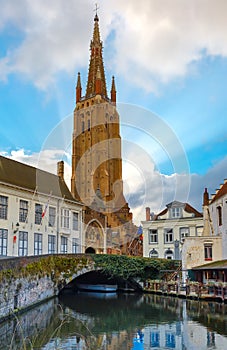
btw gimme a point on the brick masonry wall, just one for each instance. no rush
(24, 292)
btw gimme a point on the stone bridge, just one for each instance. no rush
(26, 281)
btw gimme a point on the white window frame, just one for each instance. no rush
(23, 210)
(3, 207)
(38, 243)
(38, 213)
(176, 212)
(3, 242)
(153, 236)
(169, 254)
(75, 220)
(64, 245)
(184, 232)
(168, 232)
(208, 252)
(75, 246)
(23, 243)
(153, 253)
(65, 218)
(51, 244)
(52, 216)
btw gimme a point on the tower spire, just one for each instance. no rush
(96, 62)
(113, 91)
(78, 89)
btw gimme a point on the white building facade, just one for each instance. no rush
(212, 245)
(38, 214)
(218, 215)
(164, 233)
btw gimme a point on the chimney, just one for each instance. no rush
(205, 197)
(148, 214)
(60, 167)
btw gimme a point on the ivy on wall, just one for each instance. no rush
(129, 267)
(114, 265)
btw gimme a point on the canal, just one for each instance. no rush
(117, 321)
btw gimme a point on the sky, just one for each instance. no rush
(169, 59)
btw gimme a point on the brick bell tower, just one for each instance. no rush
(96, 159)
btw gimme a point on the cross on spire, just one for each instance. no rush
(96, 8)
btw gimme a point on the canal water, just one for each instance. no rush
(118, 322)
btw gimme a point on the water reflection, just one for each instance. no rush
(112, 321)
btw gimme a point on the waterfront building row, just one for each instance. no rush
(199, 240)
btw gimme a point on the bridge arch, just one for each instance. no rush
(94, 237)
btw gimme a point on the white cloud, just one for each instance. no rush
(162, 189)
(155, 41)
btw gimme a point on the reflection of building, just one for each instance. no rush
(96, 158)
(196, 325)
(38, 214)
(164, 233)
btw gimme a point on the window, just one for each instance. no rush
(153, 236)
(168, 236)
(82, 126)
(175, 213)
(199, 230)
(155, 339)
(184, 232)
(75, 246)
(208, 251)
(3, 207)
(38, 213)
(64, 244)
(170, 340)
(219, 212)
(23, 211)
(65, 218)
(23, 243)
(3, 242)
(75, 221)
(51, 244)
(153, 253)
(52, 216)
(37, 243)
(88, 124)
(169, 254)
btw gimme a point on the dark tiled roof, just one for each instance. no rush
(187, 207)
(222, 191)
(30, 178)
(220, 264)
(163, 212)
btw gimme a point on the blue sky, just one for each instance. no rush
(169, 59)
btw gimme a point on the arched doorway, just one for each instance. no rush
(94, 238)
(90, 250)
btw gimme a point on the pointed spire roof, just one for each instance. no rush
(78, 89)
(113, 91)
(96, 62)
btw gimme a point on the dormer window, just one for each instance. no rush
(175, 212)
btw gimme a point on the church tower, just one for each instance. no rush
(96, 157)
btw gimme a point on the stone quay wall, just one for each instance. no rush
(21, 293)
(27, 281)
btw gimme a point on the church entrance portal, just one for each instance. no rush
(90, 250)
(94, 238)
